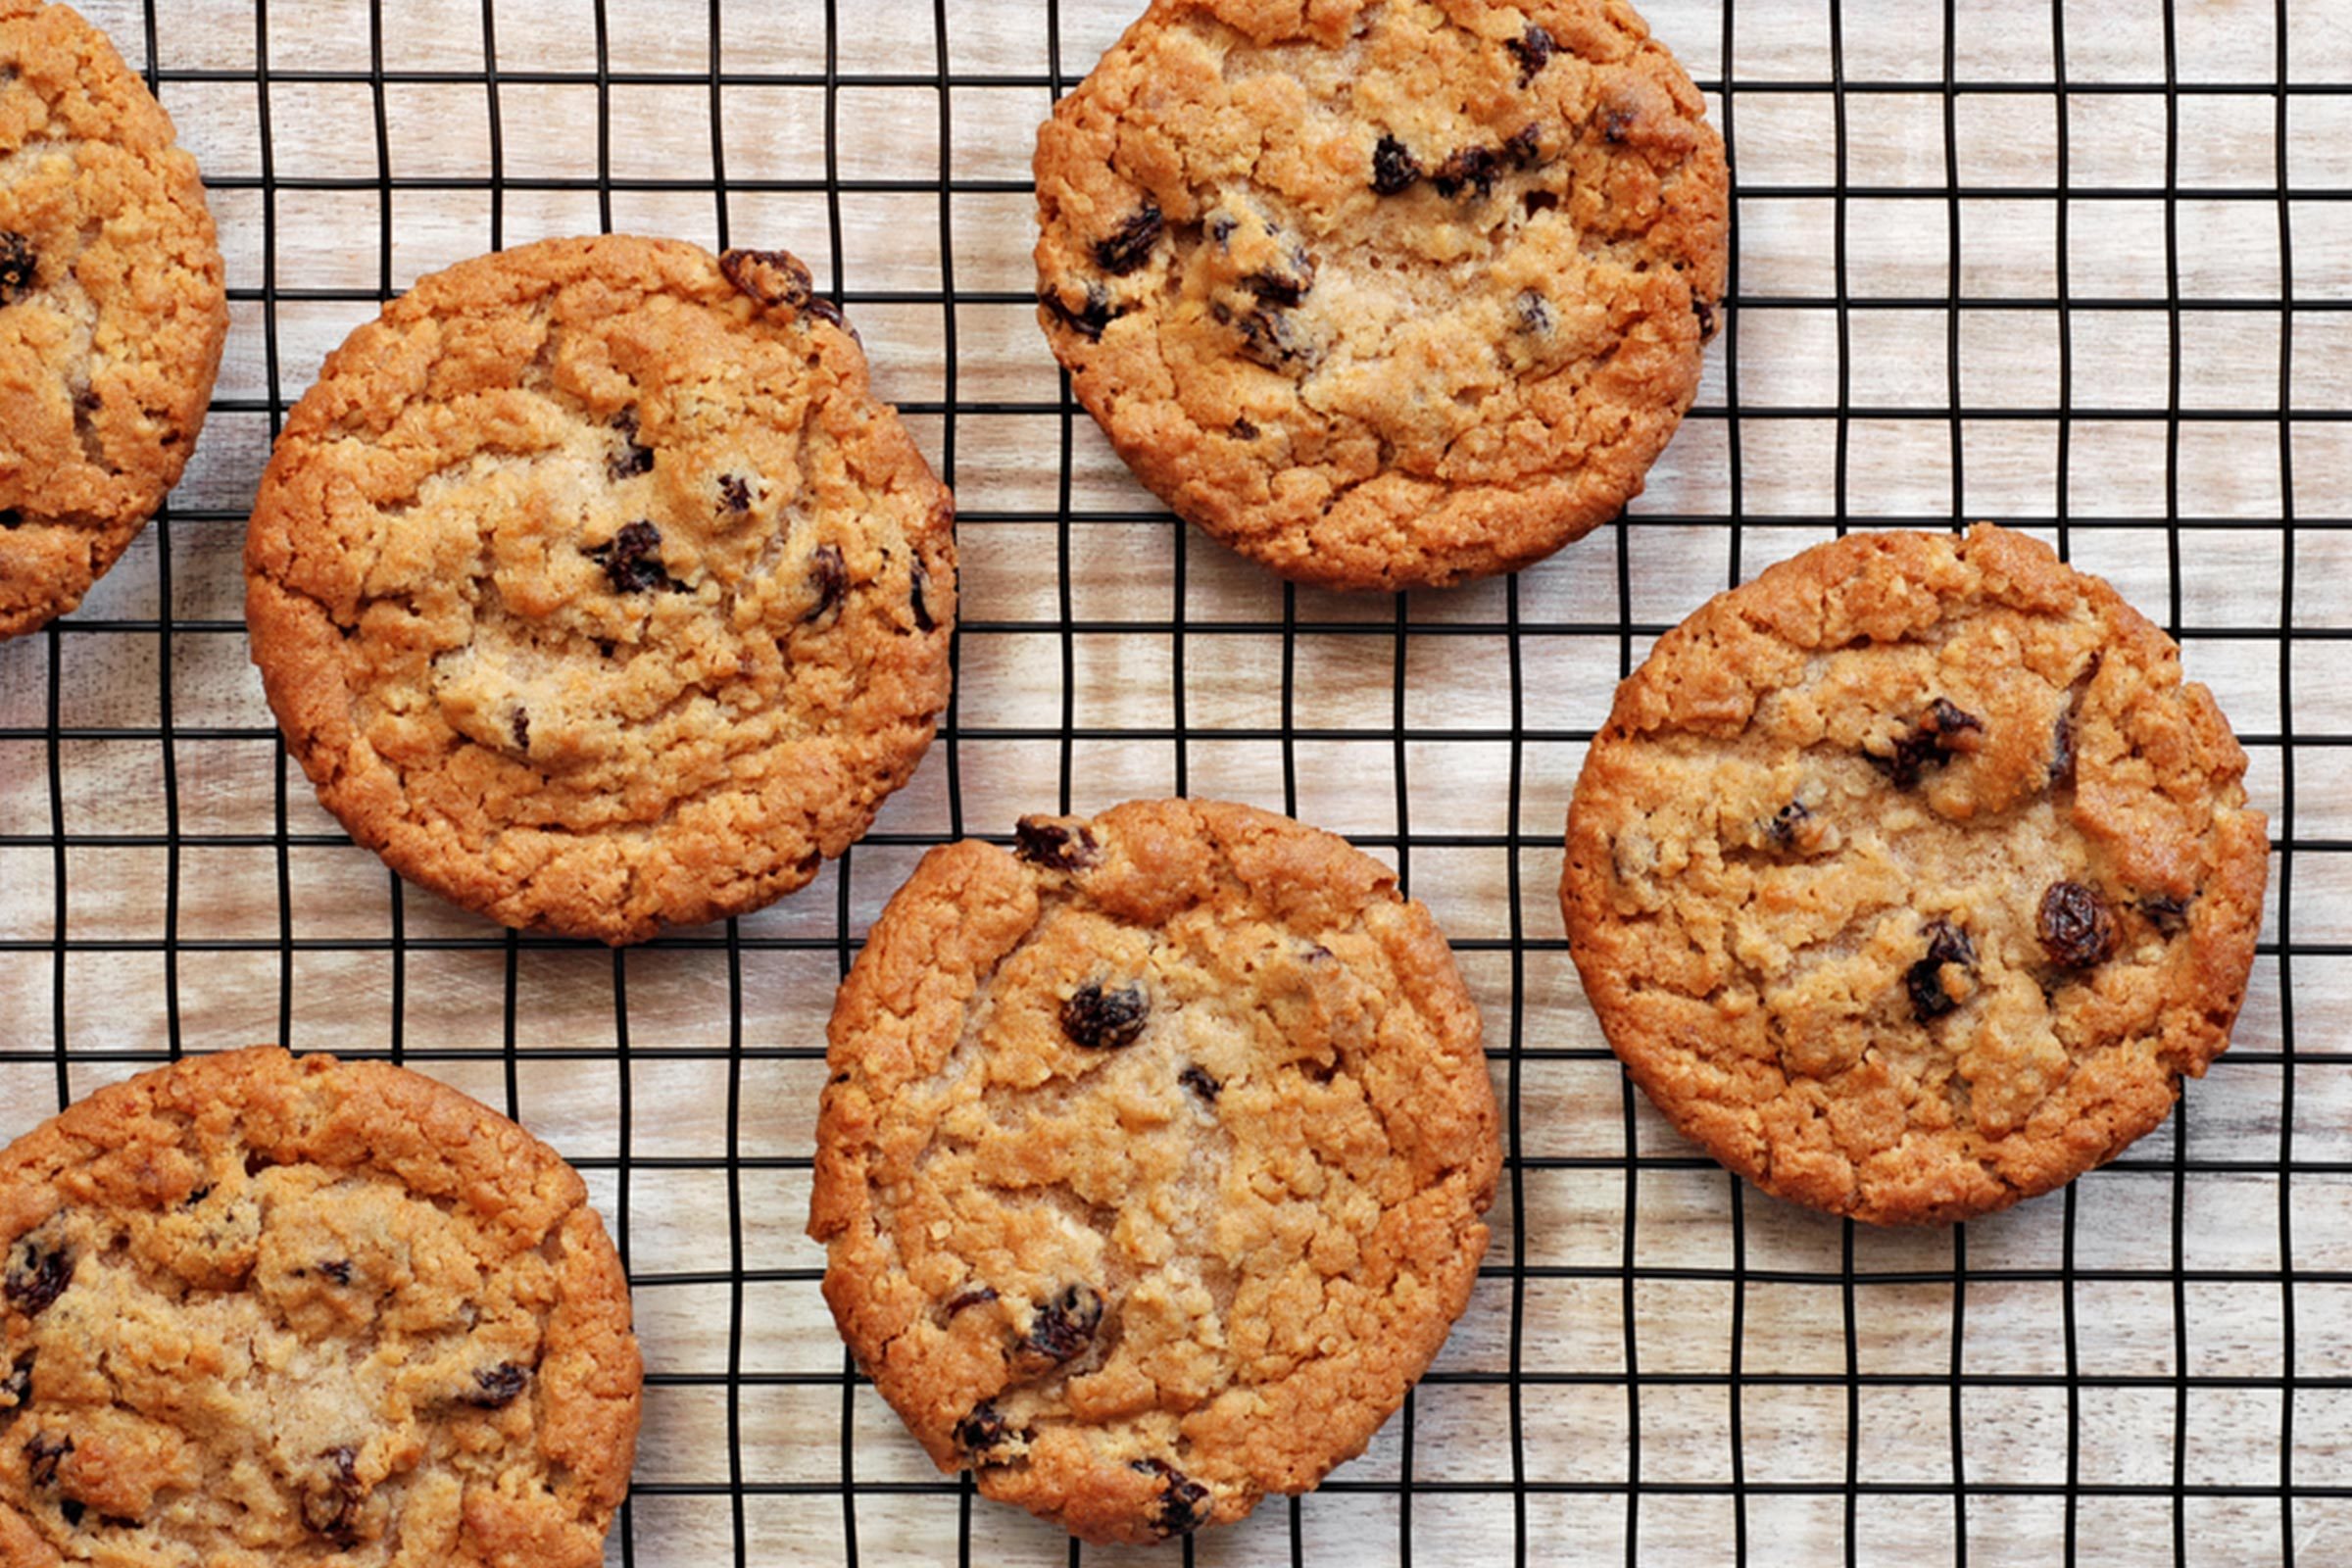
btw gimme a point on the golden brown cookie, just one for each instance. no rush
(1153, 1161)
(596, 592)
(1910, 877)
(112, 309)
(262, 1309)
(1385, 295)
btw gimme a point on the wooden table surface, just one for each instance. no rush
(1658, 1368)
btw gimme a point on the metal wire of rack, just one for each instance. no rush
(2084, 269)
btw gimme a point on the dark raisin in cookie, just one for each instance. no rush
(1911, 877)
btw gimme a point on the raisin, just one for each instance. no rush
(1222, 226)
(39, 1280)
(825, 310)
(735, 492)
(328, 1509)
(1786, 821)
(1268, 336)
(1197, 1078)
(1065, 1325)
(1105, 1020)
(2062, 733)
(1287, 284)
(1532, 49)
(2166, 913)
(2061, 750)
(1949, 722)
(18, 263)
(2077, 928)
(1946, 944)
(632, 560)
(914, 600)
(1706, 319)
(496, 1387)
(522, 737)
(1473, 169)
(970, 1295)
(1182, 1505)
(73, 1508)
(1942, 731)
(1394, 167)
(770, 277)
(1535, 316)
(337, 1269)
(1614, 124)
(631, 459)
(44, 1452)
(1129, 244)
(831, 577)
(985, 1430)
(18, 1386)
(1090, 318)
(1243, 430)
(1524, 148)
(1040, 841)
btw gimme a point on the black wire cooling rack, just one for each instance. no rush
(2084, 269)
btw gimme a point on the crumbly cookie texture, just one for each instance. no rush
(1385, 294)
(112, 310)
(595, 591)
(1153, 1161)
(1910, 877)
(262, 1310)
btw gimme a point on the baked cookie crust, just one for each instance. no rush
(112, 310)
(1152, 1162)
(1910, 878)
(261, 1308)
(1385, 295)
(595, 591)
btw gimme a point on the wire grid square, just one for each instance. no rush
(2084, 268)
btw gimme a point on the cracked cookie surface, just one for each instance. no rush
(1154, 1161)
(268, 1311)
(1910, 877)
(112, 310)
(595, 591)
(1385, 294)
